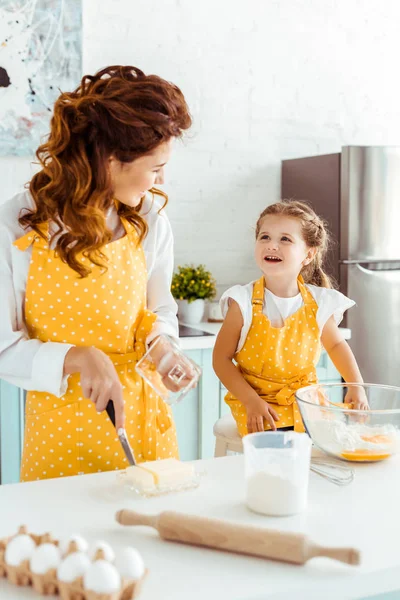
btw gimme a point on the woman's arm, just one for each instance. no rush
(24, 362)
(344, 360)
(224, 351)
(160, 265)
(45, 366)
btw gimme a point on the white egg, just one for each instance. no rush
(130, 564)
(108, 552)
(102, 578)
(73, 566)
(44, 558)
(81, 544)
(18, 549)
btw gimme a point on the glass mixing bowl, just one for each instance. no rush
(347, 434)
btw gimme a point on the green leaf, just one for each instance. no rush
(191, 282)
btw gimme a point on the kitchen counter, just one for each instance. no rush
(363, 515)
(201, 341)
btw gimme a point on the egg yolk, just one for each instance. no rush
(362, 455)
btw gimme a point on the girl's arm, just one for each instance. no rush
(344, 360)
(224, 351)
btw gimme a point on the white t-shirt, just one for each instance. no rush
(330, 302)
(34, 365)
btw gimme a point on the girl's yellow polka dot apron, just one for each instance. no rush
(66, 436)
(278, 361)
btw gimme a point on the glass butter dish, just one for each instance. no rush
(159, 477)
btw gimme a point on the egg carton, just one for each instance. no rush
(48, 584)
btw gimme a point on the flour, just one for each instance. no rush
(272, 494)
(338, 437)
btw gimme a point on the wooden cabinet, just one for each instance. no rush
(195, 415)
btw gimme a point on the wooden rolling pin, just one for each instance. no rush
(232, 537)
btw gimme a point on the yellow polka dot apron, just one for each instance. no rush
(107, 309)
(278, 361)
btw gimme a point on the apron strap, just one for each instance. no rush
(258, 295)
(39, 240)
(257, 299)
(42, 240)
(131, 231)
(307, 296)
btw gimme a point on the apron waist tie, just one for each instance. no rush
(286, 395)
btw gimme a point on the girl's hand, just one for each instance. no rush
(357, 397)
(258, 411)
(99, 379)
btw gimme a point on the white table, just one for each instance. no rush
(364, 514)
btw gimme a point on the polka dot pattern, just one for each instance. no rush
(66, 436)
(278, 361)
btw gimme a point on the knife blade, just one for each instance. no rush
(121, 435)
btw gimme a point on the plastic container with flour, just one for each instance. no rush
(277, 468)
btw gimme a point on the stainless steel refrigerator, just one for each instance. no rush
(358, 192)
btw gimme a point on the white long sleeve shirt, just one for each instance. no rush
(35, 365)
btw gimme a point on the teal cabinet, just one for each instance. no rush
(186, 415)
(194, 416)
(199, 410)
(12, 408)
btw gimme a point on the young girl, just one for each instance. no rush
(274, 327)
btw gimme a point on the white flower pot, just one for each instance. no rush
(190, 312)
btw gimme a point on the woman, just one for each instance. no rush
(86, 259)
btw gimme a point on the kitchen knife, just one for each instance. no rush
(121, 435)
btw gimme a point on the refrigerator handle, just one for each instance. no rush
(369, 261)
(374, 271)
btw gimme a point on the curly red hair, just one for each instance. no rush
(119, 111)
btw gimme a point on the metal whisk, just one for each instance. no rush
(332, 470)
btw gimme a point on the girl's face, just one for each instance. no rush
(280, 247)
(132, 180)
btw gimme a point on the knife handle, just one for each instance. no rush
(110, 411)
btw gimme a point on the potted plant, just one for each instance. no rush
(191, 286)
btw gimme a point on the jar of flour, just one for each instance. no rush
(277, 468)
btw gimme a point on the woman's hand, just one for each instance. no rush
(176, 372)
(175, 369)
(99, 379)
(258, 411)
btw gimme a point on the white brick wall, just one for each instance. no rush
(265, 80)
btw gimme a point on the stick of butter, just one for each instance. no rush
(167, 472)
(142, 480)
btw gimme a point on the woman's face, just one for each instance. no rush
(132, 180)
